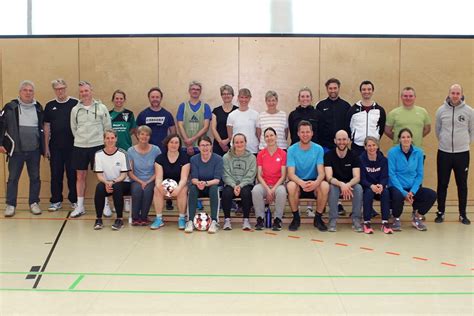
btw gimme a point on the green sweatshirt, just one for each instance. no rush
(239, 170)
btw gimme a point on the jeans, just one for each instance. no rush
(60, 161)
(422, 201)
(335, 193)
(15, 167)
(194, 193)
(141, 200)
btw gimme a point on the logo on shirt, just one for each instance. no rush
(159, 120)
(125, 117)
(117, 163)
(371, 169)
(461, 118)
(54, 108)
(348, 165)
(194, 119)
(325, 109)
(278, 159)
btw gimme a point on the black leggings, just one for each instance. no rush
(245, 198)
(120, 189)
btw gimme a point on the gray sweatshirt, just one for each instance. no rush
(28, 126)
(239, 170)
(454, 127)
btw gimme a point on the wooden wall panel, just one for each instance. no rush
(2, 157)
(281, 64)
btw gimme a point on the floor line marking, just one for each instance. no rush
(76, 282)
(273, 234)
(317, 240)
(449, 264)
(392, 253)
(341, 244)
(33, 276)
(292, 236)
(420, 258)
(365, 248)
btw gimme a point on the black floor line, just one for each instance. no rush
(33, 276)
(43, 268)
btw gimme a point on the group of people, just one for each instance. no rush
(333, 155)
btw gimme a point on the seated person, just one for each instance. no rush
(306, 175)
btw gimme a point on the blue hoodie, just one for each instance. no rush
(405, 173)
(373, 172)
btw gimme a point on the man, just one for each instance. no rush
(342, 169)
(193, 118)
(455, 132)
(365, 118)
(59, 142)
(89, 120)
(306, 175)
(408, 116)
(22, 119)
(157, 118)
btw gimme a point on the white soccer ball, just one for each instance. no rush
(202, 221)
(169, 185)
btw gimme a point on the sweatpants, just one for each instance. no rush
(368, 202)
(194, 193)
(120, 189)
(258, 195)
(422, 201)
(335, 193)
(245, 199)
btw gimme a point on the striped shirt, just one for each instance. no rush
(279, 122)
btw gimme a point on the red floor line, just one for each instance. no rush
(341, 244)
(419, 258)
(365, 248)
(392, 253)
(296, 237)
(317, 240)
(448, 264)
(273, 234)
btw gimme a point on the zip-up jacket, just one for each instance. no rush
(405, 174)
(361, 123)
(88, 125)
(10, 122)
(454, 127)
(373, 172)
(309, 114)
(239, 170)
(332, 118)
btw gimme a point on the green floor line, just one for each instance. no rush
(244, 275)
(79, 279)
(239, 292)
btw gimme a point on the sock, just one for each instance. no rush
(368, 222)
(106, 201)
(181, 216)
(80, 201)
(160, 215)
(384, 221)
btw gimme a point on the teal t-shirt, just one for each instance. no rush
(123, 122)
(305, 161)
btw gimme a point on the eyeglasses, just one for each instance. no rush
(204, 145)
(195, 89)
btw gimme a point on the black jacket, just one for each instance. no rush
(332, 118)
(309, 114)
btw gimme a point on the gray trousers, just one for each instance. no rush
(259, 193)
(335, 192)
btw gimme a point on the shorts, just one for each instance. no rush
(83, 157)
(307, 195)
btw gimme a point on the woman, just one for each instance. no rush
(142, 157)
(123, 120)
(219, 121)
(304, 111)
(274, 118)
(240, 169)
(111, 166)
(172, 164)
(374, 181)
(271, 175)
(206, 174)
(405, 167)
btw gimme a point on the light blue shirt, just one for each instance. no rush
(143, 165)
(305, 162)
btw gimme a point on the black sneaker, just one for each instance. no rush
(439, 218)
(464, 220)
(340, 210)
(295, 224)
(260, 223)
(169, 205)
(276, 224)
(319, 223)
(98, 224)
(117, 224)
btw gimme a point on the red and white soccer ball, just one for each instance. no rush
(202, 221)
(169, 185)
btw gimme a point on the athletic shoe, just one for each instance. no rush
(73, 205)
(295, 224)
(260, 223)
(213, 228)
(144, 222)
(340, 210)
(276, 224)
(357, 227)
(439, 217)
(169, 206)
(9, 211)
(117, 225)
(189, 227)
(136, 222)
(464, 220)
(181, 223)
(397, 225)
(227, 224)
(332, 226)
(98, 224)
(157, 223)
(127, 205)
(310, 212)
(246, 224)
(319, 223)
(386, 228)
(199, 205)
(53, 207)
(35, 209)
(78, 211)
(417, 222)
(367, 228)
(107, 210)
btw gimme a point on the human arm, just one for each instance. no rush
(227, 176)
(47, 134)
(251, 172)
(389, 131)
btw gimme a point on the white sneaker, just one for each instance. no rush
(78, 211)
(9, 211)
(107, 211)
(227, 224)
(35, 209)
(246, 224)
(73, 205)
(53, 207)
(310, 212)
(189, 227)
(213, 228)
(127, 205)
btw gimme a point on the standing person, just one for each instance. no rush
(89, 120)
(408, 115)
(405, 176)
(206, 174)
(374, 181)
(455, 132)
(306, 176)
(332, 114)
(240, 168)
(142, 173)
(304, 111)
(59, 142)
(342, 168)
(111, 166)
(271, 176)
(123, 120)
(244, 121)
(193, 118)
(22, 119)
(220, 114)
(274, 118)
(365, 118)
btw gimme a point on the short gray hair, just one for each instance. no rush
(144, 129)
(111, 131)
(57, 82)
(271, 93)
(84, 83)
(195, 83)
(25, 83)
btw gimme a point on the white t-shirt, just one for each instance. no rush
(112, 165)
(245, 123)
(279, 123)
